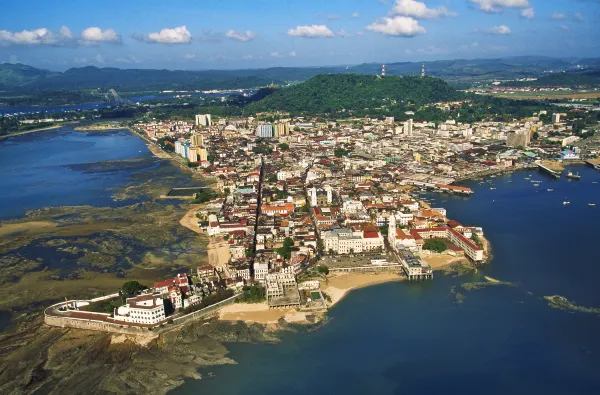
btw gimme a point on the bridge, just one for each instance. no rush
(113, 98)
(553, 173)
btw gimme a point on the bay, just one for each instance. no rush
(413, 338)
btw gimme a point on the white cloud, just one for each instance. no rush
(419, 10)
(97, 35)
(100, 59)
(80, 61)
(577, 17)
(528, 13)
(293, 54)
(497, 30)
(500, 5)
(127, 59)
(247, 35)
(314, 31)
(565, 28)
(189, 56)
(355, 15)
(276, 55)
(40, 36)
(558, 16)
(397, 26)
(344, 34)
(176, 35)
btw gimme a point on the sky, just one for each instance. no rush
(236, 34)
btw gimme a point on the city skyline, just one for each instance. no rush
(256, 34)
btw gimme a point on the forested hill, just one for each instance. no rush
(569, 79)
(337, 92)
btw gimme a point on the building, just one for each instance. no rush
(206, 271)
(556, 118)
(415, 268)
(197, 140)
(343, 241)
(518, 139)
(264, 131)
(142, 309)
(203, 120)
(281, 129)
(408, 127)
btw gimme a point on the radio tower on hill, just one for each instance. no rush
(383, 70)
(423, 70)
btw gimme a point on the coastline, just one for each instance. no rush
(33, 130)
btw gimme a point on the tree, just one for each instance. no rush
(272, 178)
(323, 269)
(331, 252)
(436, 245)
(284, 147)
(286, 250)
(131, 288)
(536, 135)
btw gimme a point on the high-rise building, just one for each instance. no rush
(197, 140)
(408, 127)
(264, 130)
(202, 154)
(281, 129)
(203, 120)
(556, 118)
(518, 139)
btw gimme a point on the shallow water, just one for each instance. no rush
(62, 167)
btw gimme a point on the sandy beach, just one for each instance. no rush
(442, 261)
(260, 313)
(338, 285)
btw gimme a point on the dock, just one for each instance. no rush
(594, 165)
(551, 172)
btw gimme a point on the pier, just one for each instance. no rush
(594, 165)
(547, 170)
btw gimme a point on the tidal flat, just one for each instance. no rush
(84, 251)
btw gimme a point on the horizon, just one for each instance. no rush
(236, 34)
(140, 67)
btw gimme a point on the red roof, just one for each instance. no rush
(371, 235)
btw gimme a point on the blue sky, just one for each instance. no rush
(205, 34)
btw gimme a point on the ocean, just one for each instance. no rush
(414, 338)
(64, 167)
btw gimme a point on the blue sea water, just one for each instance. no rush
(48, 168)
(412, 338)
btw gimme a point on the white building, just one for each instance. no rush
(260, 271)
(203, 120)
(143, 309)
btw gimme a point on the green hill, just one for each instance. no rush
(338, 92)
(17, 75)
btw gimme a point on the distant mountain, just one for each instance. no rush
(460, 72)
(14, 75)
(587, 78)
(337, 92)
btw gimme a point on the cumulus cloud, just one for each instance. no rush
(528, 13)
(247, 35)
(500, 5)
(397, 26)
(419, 10)
(95, 35)
(40, 36)
(276, 55)
(577, 17)
(355, 15)
(496, 30)
(559, 16)
(293, 54)
(565, 28)
(176, 35)
(189, 56)
(314, 31)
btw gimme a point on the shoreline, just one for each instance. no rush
(33, 131)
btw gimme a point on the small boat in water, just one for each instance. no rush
(536, 185)
(550, 190)
(492, 189)
(565, 203)
(573, 176)
(591, 204)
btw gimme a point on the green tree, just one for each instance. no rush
(131, 288)
(323, 269)
(436, 245)
(284, 147)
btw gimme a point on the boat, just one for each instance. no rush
(492, 189)
(573, 176)
(594, 182)
(565, 203)
(536, 185)
(527, 178)
(591, 204)
(550, 190)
